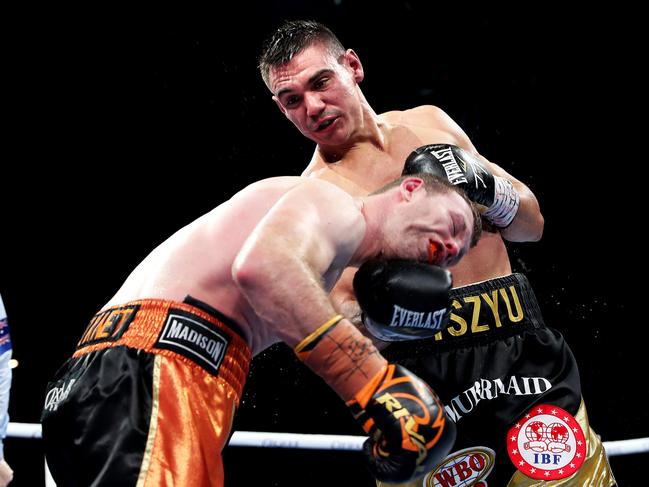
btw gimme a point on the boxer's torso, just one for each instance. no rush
(197, 260)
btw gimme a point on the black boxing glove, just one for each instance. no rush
(463, 169)
(403, 299)
(410, 433)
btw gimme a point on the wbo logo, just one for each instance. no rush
(463, 468)
(548, 444)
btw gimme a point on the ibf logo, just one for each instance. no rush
(470, 466)
(547, 444)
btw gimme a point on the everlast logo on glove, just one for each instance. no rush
(454, 173)
(402, 299)
(465, 171)
(431, 320)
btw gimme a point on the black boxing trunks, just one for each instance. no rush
(147, 398)
(511, 385)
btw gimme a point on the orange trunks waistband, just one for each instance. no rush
(174, 329)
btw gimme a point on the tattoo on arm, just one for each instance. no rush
(358, 350)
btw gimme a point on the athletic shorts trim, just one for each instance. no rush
(172, 329)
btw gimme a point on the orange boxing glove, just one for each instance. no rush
(409, 430)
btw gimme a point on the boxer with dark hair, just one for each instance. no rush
(496, 360)
(149, 394)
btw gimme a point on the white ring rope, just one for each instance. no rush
(294, 440)
(324, 442)
(24, 430)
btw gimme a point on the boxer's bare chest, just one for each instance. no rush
(367, 167)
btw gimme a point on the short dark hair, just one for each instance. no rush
(435, 184)
(292, 37)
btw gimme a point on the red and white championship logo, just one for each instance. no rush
(547, 443)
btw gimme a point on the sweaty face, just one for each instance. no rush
(318, 95)
(436, 229)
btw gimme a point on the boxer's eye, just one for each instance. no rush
(290, 101)
(321, 83)
(458, 224)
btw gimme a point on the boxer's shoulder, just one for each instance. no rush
(421, 114)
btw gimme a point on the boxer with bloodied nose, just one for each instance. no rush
(149, 395)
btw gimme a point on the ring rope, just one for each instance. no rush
(323, 442)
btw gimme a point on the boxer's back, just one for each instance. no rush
(197, 259)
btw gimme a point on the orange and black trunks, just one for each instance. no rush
(147, 398)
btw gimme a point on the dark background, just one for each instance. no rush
(124, 125)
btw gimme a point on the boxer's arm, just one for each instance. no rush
(527, 225)
(408, 427)
(344, 300)
(280, 266)
(278, 271)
